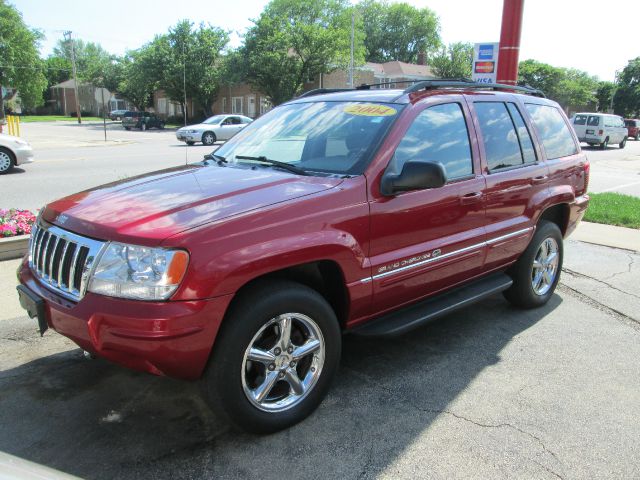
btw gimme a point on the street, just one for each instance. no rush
(71, 157)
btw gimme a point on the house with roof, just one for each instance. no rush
(91, 99)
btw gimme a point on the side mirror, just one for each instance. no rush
(208, 156)
(414, 176)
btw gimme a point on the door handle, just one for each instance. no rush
(470, 198)
(539, 179)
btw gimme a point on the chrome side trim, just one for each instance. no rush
(448, 255)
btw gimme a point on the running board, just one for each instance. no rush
(418, 314)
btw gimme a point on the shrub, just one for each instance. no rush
(15, 222)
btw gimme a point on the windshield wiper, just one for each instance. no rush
(212, 156)
(286, 166)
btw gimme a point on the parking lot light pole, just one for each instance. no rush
(510, 41)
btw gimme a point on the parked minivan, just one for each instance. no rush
(600, 129)
(633, 128)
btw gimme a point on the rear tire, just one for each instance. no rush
(623, 143)
(7, 160)
(208, 138)
(254, 378)
(537, 272)
(127, 128)
(605, 144)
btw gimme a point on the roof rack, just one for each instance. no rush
(322, 91)
(470, 84)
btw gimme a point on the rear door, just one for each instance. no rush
(515, 174)
(427, 240)
(580, 125)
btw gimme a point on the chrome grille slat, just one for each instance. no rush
(61, 263)
(53, 250)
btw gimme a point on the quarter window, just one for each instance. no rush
(526, 144)
(501, 143)
(438, 134)
(552, 131)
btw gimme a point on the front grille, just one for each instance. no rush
(62, 260)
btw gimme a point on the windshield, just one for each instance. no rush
(321, 137)
(214, 120)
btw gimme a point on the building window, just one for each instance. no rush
(251, 106)
(224, 105)
(265, 105)
(236, 105)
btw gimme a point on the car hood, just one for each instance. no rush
(149, 208)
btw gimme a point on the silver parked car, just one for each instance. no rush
(218, 127)
(13, 151)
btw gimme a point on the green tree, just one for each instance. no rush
(453, 61)
(626, 101)
(138, 78)
(293, 41)
(604, 94)
(20, 63)
(92, 61)
(398, 31)
(189, 57)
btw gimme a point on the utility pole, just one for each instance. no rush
(67, 37)
(512, 11)
(352, 41)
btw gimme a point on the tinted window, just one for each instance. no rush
(552, 131)
(501, 144)
(526, 144)
(594, 121)
(438, 134)
(580, 120)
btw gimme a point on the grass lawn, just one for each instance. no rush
(55, 118)
(614, 209)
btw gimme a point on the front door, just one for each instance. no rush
(427, 240)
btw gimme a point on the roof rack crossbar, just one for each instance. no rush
(468, 84)
(322, 91)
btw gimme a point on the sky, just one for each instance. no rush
(557, 32)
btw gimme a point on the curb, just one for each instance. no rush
(13, 247)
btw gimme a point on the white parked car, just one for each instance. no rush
(600, 129)
(218, 127)
(13, 151)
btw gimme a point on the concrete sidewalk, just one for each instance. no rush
(608, 235)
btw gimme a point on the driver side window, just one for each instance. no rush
(438, 134)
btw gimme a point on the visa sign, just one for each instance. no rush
(485, 62)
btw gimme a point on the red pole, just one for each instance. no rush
(510, 41)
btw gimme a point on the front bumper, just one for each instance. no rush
(577, 209)
(189, 137)
(24, 154)
(163, 338)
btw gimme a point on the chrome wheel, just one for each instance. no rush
(5, 161)
(545, 266)
(283, 362)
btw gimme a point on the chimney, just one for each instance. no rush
(420, 58)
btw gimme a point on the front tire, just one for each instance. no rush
(191, 143)
(208, 138)
(274, 358)
(7, 161)
(623, 143)
(536, 273)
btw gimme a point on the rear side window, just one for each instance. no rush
(552, 131)
(580, 120)
(593, 121)
(438, 134)
(501, 144)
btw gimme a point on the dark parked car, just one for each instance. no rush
(364, 211)
(117, 114)
(141, 120)
(633, 127)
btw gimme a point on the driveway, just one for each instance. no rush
(490, 392)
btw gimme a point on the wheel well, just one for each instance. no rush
(324, 276)
(558, 214)
(12, 155)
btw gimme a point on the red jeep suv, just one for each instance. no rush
(366, 211)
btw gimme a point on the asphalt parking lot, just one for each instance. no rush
(489, 392)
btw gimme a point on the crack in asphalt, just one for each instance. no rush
(624, 318)
(629, 266)
(537, 439)
(578, 274)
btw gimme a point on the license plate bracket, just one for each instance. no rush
(590, 132)
(35, 307)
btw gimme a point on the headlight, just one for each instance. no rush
(21, 142)
(143, 273)
(190, 131)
